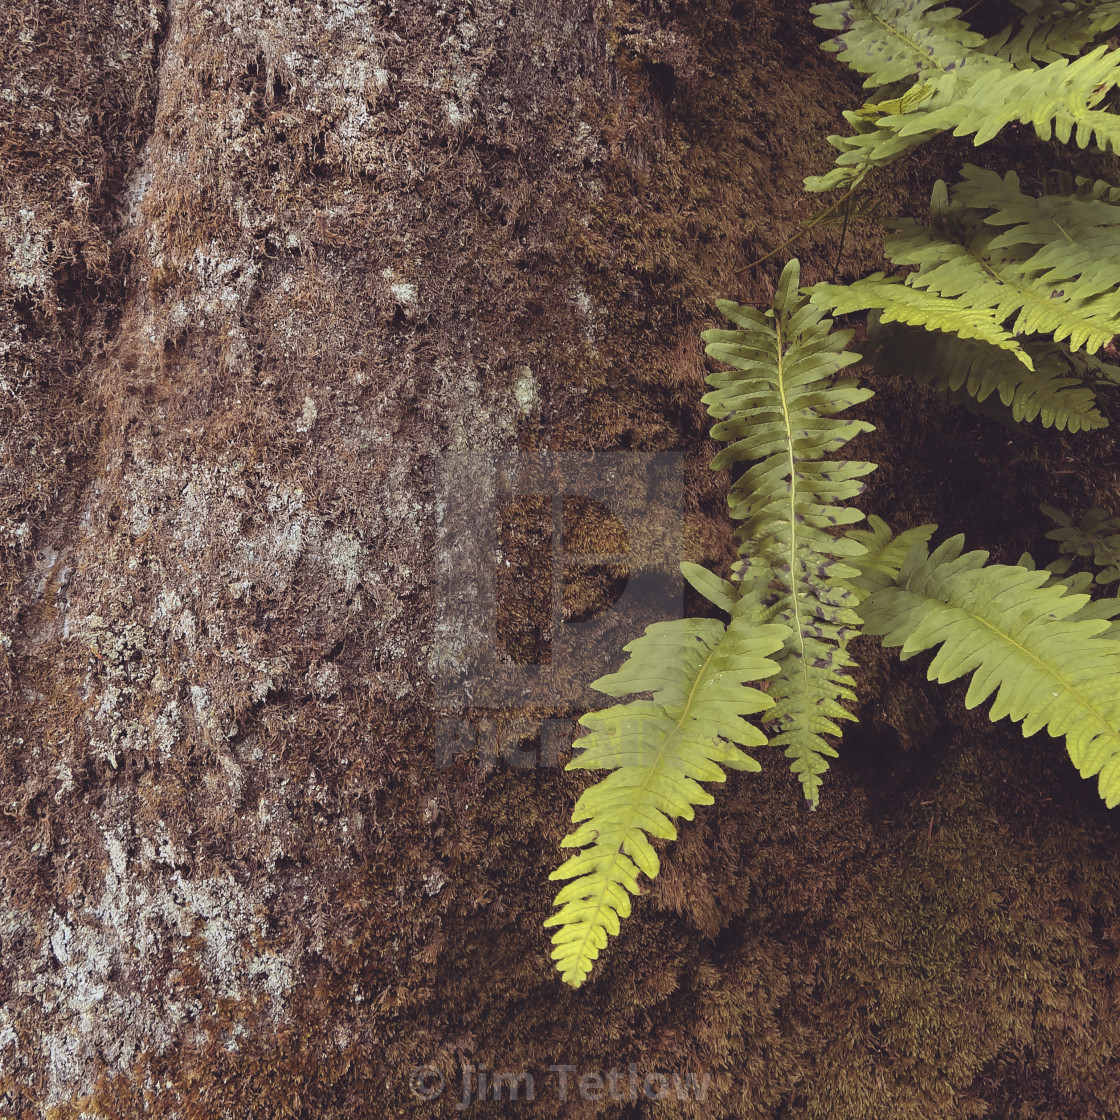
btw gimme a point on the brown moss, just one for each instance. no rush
(351, 233)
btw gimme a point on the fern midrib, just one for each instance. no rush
(794, 590)
(606, 875)
(1060, 230)
(1048, 669)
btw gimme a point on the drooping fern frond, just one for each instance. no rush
(1052, 392)
(1095, 537)
(1052, 268)
(1053, 29)
(979, 98)
(870, 146)
(898, 302)
(1023, 636)
(778, 408)
(892, 40)
(658, 751)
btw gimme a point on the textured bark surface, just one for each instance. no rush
(262, 267)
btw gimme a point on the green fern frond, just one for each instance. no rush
(1018, 632)
(868, 148)
(778, 408)
(1053, 29)
(897, 302)
(1059, 100)
(1096, 537)
(891, 40)
(979, 98)
(1064, 238)
(1051, 268)
(659, 751)
(1050, 392)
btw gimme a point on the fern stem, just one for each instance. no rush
(840, 247)
(808, 224)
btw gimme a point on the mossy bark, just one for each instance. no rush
(266, 266)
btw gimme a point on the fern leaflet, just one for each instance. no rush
(1096, 537)
(658, 750)
(1023, 637)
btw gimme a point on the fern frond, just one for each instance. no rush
(1049, 392)
(1065, 238)
(778, 408)
(979, 98)
(868, 148)
(1059, 99)
(1053, 29)
(658, 750)
(890, 40)
(1019, 634)
(1096, 537)
(1052, 267)
(898, 302)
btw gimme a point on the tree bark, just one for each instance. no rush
(270, 268)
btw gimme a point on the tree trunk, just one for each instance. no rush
(287, 287)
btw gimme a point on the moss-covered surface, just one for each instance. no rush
(321, 245)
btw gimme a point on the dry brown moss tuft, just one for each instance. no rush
(323, 244)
